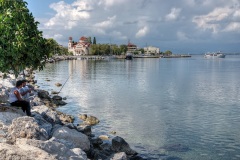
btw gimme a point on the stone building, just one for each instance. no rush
(82, 47)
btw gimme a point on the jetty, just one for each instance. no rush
(177, 56)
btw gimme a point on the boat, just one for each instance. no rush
(129, 56)
(214, 55)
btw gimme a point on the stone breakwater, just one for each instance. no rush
(51, 134)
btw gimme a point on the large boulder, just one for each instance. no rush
(120, 145)
(48, 114)
(45, 126)
(28, 127)
(7, 114)
(85, 129)
(78, 139)
(23, 152)
(43, 94)
(58, 150)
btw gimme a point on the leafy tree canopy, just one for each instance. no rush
(168, 52)
(21, 43)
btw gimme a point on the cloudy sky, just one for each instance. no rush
(182, 26)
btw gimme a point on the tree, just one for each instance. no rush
(53, 46)
(123, 48)
(94, 40)
(90, 40)
(21, 43)
(167, 52)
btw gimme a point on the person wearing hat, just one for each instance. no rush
(15, 98)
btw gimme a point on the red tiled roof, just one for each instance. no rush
(83, 38)
(131, 45)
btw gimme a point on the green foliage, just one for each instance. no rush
(123, 48)
(141, 50)
(90, 40)
(107, 49)
(21, 43)
(55, 48)
(94, 41)
(167, 52)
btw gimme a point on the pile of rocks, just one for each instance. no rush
(51, 134)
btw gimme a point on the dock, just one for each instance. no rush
(177, 56)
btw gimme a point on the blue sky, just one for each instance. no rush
(182, 26)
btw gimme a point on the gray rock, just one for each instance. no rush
(45, 126)
(120, 145)
(70, 125)
(77, 138)
(43, 94)
(85, 129)
(23, 152)
(48, 114)
(7, 114)
(119, 156)
(59, 98)
(59, 150)
(27, 127)
(59, 102)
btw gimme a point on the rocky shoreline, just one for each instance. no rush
(51, 134)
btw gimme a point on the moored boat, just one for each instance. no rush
(214, 55)
(129, 56)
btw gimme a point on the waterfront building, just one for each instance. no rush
(82, 47)
(132, 48)
(151, 50)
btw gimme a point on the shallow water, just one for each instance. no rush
(154, 103)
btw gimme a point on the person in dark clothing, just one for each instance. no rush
(16, 99)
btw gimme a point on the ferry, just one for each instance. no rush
(214, 55)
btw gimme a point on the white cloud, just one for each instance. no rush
(109, 3)
(55, 36)
(142, 32)
(218, 18)
(174, 14)
(234, 26)
(108, 23)
(67, 15)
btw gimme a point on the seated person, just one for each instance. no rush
(25, 90)
(16, 99)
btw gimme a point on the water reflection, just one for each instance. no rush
(157, 102)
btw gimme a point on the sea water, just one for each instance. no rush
(180, 108)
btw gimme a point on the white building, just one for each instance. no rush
(131, 47)
(151, 50)
(82, 47)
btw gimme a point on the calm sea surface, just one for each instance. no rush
(185, 108)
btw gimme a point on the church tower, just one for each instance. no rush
(70, 43)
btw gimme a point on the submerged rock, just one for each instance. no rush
(91, 120)
(58, 84)
(83, 117)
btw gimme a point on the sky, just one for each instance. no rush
(181, 26)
